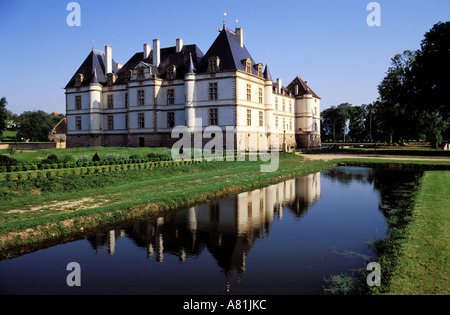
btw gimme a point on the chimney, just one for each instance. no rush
(179, 44)
(296, 89)
(240, 35)
(147, 50)
(108, 55)
(156, 55)
(279, 85)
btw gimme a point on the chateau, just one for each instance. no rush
(139, 103)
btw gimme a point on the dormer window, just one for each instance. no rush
(171, 72)
(128, 75)
(111, 78)
(140, 74)
(260, 70)
(213, 64)
(248, 65)
(78, 79)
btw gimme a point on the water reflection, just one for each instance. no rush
(227, 228)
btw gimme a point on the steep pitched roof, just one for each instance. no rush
(168, 56)
(303, 88)
(227, 47)
(93, 69)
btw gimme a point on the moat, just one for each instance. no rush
(285, 239)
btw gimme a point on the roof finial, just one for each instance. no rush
(93, 41)
(224, 19)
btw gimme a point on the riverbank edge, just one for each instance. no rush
(49, 234)
(421, 252)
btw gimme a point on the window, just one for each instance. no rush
(126, 100)
(170, 96)
(78, 123)
(126, 122)
(110, 79)
(284, 105)
(213, 94)
(110, 101)
(110, 125)
(248, 65)
(141, 120)
(249, 117)
(78, 102)
(213, 118)
(170, 119)
(249, 92)
(140, 97)
(290, 124)
(260, 71)
(284, 123)
(290, 106)
(78, 80)
(213, 64)
(276, 122)
(171, 73)
(260, 95)
(261, 119)
(128, 75)
(140, 74)
(276, 103)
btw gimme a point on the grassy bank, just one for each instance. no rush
(38, 210)
(421, 252)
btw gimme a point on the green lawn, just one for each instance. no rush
(423, 262)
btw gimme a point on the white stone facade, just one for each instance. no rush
(143, 109)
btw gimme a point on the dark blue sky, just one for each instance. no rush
(326, 42)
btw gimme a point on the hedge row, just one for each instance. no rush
(45, 166)
(97, 169)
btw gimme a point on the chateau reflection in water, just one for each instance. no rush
(227, 228)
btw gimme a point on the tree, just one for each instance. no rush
(430, 76)
(394, 110)
(3, 114)
(35, 125)
(358, 130)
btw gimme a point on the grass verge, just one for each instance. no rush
(421, 252)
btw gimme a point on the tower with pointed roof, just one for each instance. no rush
(139, 103)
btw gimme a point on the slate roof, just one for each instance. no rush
(93, 69)
(227, 47)
(303, 88)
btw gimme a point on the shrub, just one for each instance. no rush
(12, 168)
(33, 167)
(40, 175)
(55, 165)
(19, 176)
(48, 174)
(7, 161)
(95, 158)
(29, 176)
(51, 159)
(9, 177)
(2, 169)
(134, 157)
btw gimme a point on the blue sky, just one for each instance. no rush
(326, 42)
